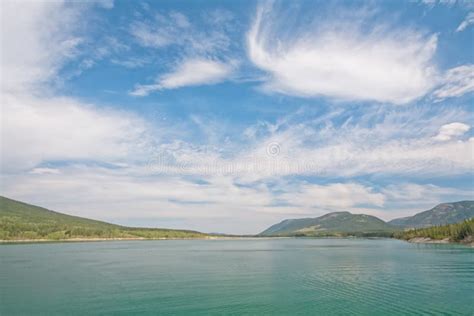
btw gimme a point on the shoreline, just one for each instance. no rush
(35, 241)
(416, 240)
(28, 241)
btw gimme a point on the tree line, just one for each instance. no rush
(455, 232)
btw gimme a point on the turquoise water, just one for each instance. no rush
(237, 277)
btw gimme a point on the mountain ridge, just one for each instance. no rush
(335, 222)
(346, 223)
(19, 220)
(441, 214)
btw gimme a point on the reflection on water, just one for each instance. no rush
(202, 277)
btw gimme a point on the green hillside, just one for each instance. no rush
(332, 224)
(462, 231)
(442, 214)
(24, 221)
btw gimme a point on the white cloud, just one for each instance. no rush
(451, 130)
(131, 63)
(397, 142)
(220, 203)
(214, 203)
(218, 17)
(198, 190)
(106, 4)
(429, 2)
(40, 37)
(449, 3)
(334, 196)
(190, 72)
(467, 22)
(456, 82)
(45, 171)
(415, 195)
(35, 130)
(342, 60)
(180, 19)
(150, 37)
(407, 199)
(200, 66)
(174, 28)
(129, 194)
(37, 38)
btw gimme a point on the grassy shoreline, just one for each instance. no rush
(44, 240)
(209, 237)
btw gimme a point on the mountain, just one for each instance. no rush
(24, 221)
(337, 223)
(442, 214)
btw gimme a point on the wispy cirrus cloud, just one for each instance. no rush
(27, 61)
(469, 20)
(174, 28)
(130, 194)
(41, 129)
(37, 124)
(405, 142)
(190, 72)
(413, 195)
(456, 82)
(131, 62)
(96, 161)
(162, 30)
(334, 196)
(205, 52)
(40, 37)
(342, 58)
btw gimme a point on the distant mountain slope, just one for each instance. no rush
(442, 214)
(329, 224)
(24, 221)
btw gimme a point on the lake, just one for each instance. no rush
(235, 277)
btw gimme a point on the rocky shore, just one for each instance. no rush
(468, 241)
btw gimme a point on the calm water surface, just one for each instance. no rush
(236, 277)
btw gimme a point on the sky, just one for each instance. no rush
(230, 116)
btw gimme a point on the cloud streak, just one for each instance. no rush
(190, 72)
(205, 52)
(469, 20)
(456, 82)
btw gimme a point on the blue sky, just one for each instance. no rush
(231, 116)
